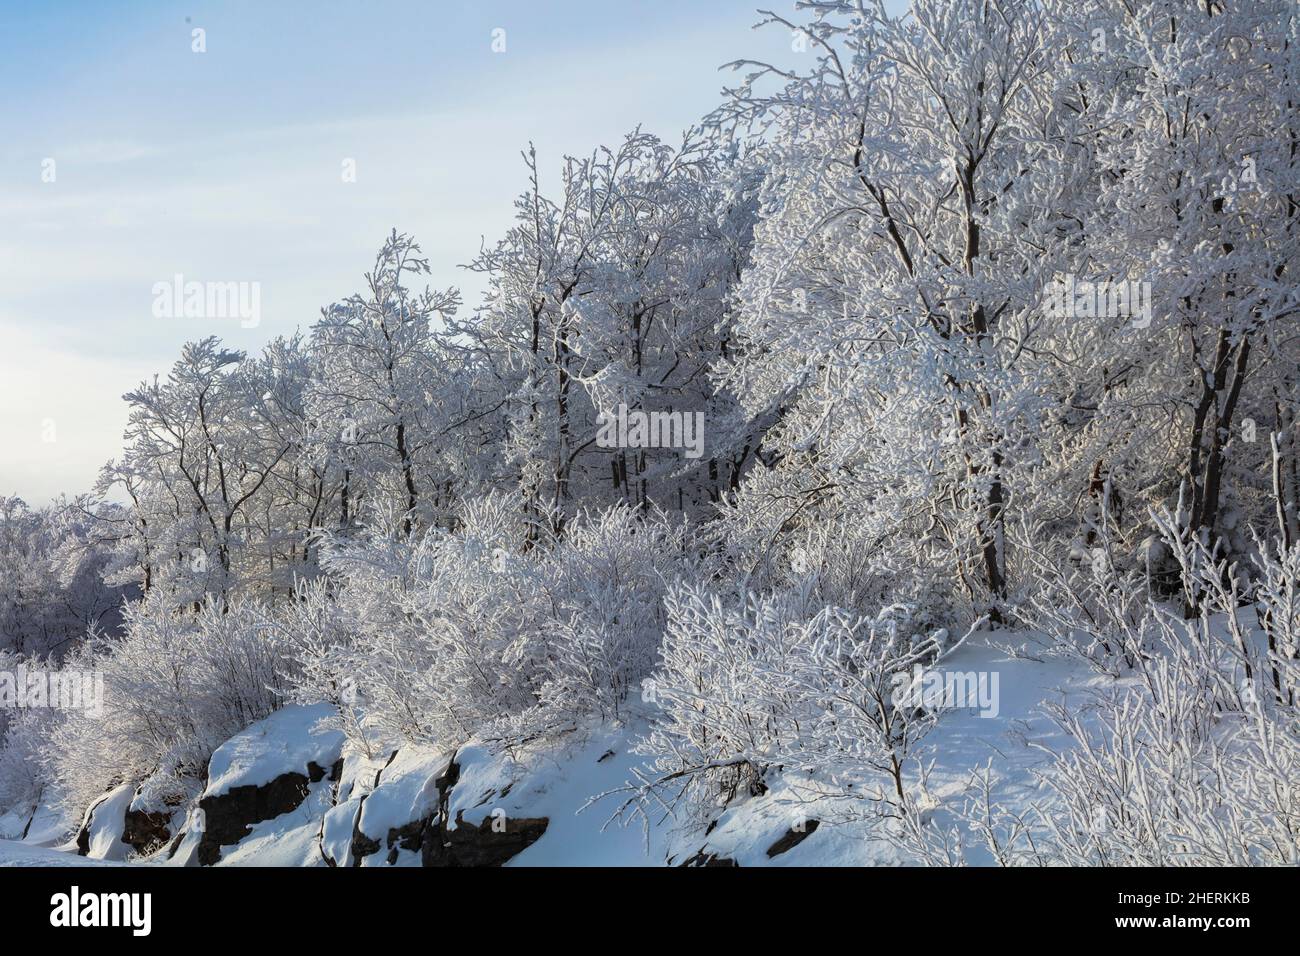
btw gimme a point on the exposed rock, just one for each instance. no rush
(494, 841)
(793, 838)
(703, 858)
(411, 791)
(83, 835)
(264, 772)
(228, 816)
(316, 773)
(146, 831)
(411, 836)
(408, 837)
(363, 846)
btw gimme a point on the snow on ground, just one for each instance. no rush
(47, 826)
(558, 785)
(13, 853)
(557, 781)
(962, 741)
(107, 818)
(291, 839)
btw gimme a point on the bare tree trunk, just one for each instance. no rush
(408, 476)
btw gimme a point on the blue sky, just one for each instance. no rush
(226, 166)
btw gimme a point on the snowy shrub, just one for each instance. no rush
(453, 649)
(779, 682)
(318, 631)
(52, 589)
(1098, 612)
(176, 685)
(1090, 611)
(473, 630)
(20, 780)
(606, 582)
(1172, 780)
(1277, 605)
(1195, 758)
(23, 777)
(772, 537)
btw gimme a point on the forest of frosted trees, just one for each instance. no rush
(991, 320)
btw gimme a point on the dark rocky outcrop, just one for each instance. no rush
(146, 831)
(793, 838)
(83, 835)
(494, 841)
(227, 817)
(408, 837)
(704, 858)
(362, 845)
(316, 773)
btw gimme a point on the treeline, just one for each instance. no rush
(853, 271)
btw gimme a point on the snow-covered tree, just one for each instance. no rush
(384, 394)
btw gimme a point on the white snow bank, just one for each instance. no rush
(407, 792)
(291, 839)
(556, 782)
(107, 822)
(24, 854)
(283, 743)
(47, 825)
(336, 831)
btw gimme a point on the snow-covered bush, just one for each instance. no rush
(477, 630)
(1277, 605)
(176, 685)
(52, 588)
(21, 782)
(1194, 757)
(442, 642)
(781, 683)
(1174, 780)
(1089, 610)
(23, 777)
(605, 582)
(783, 532)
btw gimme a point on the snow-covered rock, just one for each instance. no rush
(100, 837)
(264, 773)
(285, 792)
(288, 741)
(415, 814)
(393, 817)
